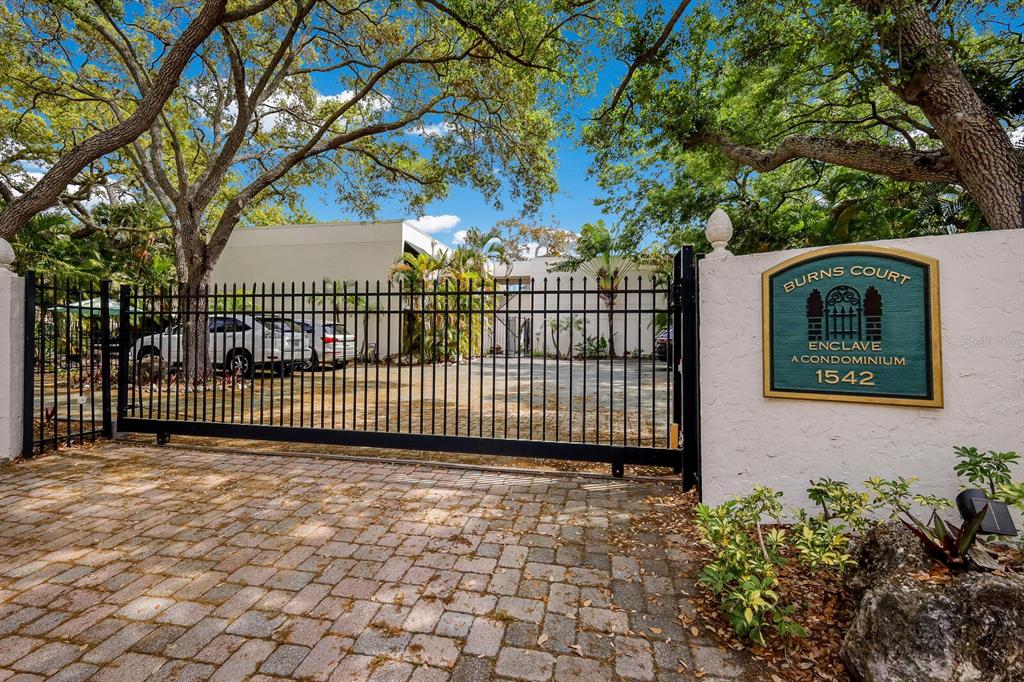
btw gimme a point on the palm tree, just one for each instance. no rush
(607, 259)
(415, 272)
(480, 249)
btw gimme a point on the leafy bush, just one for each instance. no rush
(748, 557)
(821, 543)
(743, 574)
(838, 501)
(1012, 494)
(991, 469)
(750, 547)
(592, 347)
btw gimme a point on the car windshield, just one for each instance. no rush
(334, 330)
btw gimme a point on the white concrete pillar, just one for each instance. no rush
(12, 355)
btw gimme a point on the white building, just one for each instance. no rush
(553, 312)
(338, 252)
(545, 311)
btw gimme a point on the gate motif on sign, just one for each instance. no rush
(843, 314)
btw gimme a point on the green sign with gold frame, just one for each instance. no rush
(854, 323)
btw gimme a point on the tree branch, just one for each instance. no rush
(47, 191)
(644, 57)
(892, 162)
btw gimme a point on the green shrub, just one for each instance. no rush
(750, 548)
(821, 543)
(592, 347)
(744, 574)
(1012, 494)
(838, 501)
(991, 469)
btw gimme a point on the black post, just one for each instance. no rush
(690, 350)
(123, 340)
(29, 368)
(108, 422)
(675, 354)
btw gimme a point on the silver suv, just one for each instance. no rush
(238, 343)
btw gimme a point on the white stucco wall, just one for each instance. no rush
(748, 439)
(12, 344)
(634, 327)
(342, 252)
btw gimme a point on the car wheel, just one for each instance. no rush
(310, 363)
(239, 362)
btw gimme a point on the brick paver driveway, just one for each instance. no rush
(126, 562)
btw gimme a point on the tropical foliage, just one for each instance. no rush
(128, 244)
(451, 300)
(748, 556)
(751, 539)
(607, 259)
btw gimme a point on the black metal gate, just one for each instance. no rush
(563, 368)
(67, 370)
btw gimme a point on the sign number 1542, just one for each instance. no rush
(831, 376)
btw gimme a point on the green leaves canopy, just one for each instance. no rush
(742, 76)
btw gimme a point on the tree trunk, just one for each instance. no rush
(193, 316)
(611, 330)
(990, 168)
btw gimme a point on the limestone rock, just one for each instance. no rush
(886, 550)
(971, 628)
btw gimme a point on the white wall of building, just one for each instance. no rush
(633, 321)
(342, 252)
(748, 439)
(356, 253)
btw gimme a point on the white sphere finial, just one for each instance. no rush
(6, 254)
(719, 232)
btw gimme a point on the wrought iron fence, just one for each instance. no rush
(67, 389)
(577, 369)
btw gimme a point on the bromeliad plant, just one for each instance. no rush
(956, 547)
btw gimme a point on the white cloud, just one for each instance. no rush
(432, 129)
(272, 115)
(434, 223)
(459, 237)
(1017, 137)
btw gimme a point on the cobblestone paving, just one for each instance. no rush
(128, 563)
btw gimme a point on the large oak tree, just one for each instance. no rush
(368, 98)
(911, 93)
(39, 86)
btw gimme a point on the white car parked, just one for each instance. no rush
(324, 343)
(236, 342)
